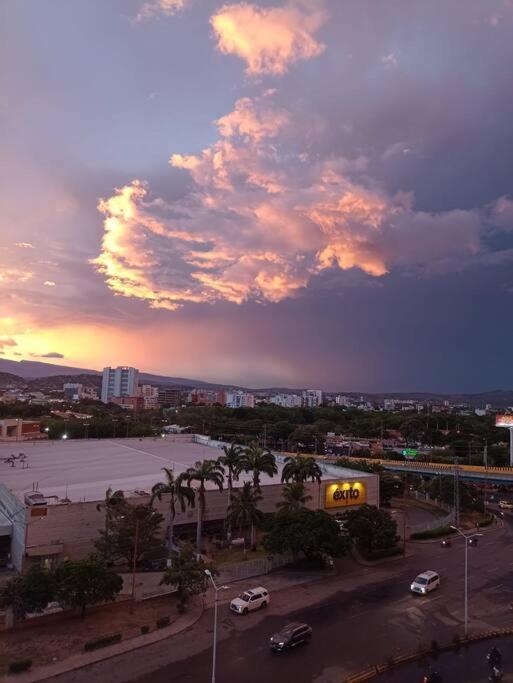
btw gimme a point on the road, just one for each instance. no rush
(359, 618)
(466, 665)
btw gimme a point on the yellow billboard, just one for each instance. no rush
(344, 494)
(504, 420)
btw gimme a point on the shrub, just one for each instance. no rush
(145, 629)
(98, 643)
(433, 533)
(163, 622)
(19, 666)
(380, 554)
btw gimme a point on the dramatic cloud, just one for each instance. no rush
(165, 7)
(268, 40)
(4, 343)
(264, 219)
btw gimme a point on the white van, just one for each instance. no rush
(425, 583)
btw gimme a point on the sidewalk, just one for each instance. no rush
(182, 623)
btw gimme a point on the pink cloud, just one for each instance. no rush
(263, 220)
(268, 40)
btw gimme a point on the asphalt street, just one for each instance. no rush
(359, 618)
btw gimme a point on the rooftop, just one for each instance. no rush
(81, 470)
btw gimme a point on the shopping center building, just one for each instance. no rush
(49, 498)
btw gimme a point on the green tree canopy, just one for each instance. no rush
(86, 582)
(187, 574)
(30, 592)
(294, 497)
(305, 532)
(127, 524)
(371, 528)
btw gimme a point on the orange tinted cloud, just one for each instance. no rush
(268, 40)
(263, 220)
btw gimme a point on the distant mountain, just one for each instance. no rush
(31, 370)
(7, 379)
(40, 375)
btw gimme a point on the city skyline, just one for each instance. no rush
(302, 193)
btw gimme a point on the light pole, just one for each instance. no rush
(216, 597)
(466, 538)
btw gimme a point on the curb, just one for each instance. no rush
(75, 662)
(374, 671)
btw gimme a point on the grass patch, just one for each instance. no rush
(234, 555)
(433, 533)
(380, 554)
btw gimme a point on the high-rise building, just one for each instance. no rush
(172, 398)
(312, 398)
(120, 381)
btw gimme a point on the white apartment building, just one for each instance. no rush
(311, 398)
(120, 381)
(150, 395)
(344, 401)
(239, 399)
(286, 400)
(389, 404)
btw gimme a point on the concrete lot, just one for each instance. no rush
(81, 470)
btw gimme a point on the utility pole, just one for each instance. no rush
(456, 492)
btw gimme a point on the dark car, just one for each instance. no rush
(290, 636)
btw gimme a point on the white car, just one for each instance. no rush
(425, 583)
(505, 505)
(255, 598)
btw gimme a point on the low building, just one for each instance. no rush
(170, 398)
(239, 399)
(207, 397)
(128, 402)
(286, 400)
(21, 430)
(74, 391)
(150, 395)
(60, 516)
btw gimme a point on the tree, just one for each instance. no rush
(176, 490)
(187, 574)
(30, 592)
(259, 461)
(301, 469)
(113, 500)
(202, 472)
(243, 512)
(470, 497)
(390, 486)
(231, 460)
(134, 530)
(312, 533)
(371, 529)
(86, 582)
(294, 497)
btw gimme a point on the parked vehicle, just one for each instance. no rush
(250, 600)
(290, 636)
(505, 505)
(446, 543)
(425, 582)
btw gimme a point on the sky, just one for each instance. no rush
(305, 193)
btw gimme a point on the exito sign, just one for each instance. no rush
(344, 493)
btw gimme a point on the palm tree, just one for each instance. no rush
(231, 460)
(113, 500)
(294, 497)
(243, 511)
(301, 469)
(259, 461)
(184, 495)
(208, 470)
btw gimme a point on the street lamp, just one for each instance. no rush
(467, 538)
(216, 593)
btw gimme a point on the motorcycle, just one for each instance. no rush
(494, 658)
(496, 675)
(432, 677)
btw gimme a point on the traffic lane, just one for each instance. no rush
(465, 665)
(350, 631)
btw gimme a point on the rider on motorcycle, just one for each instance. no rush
(494, 657)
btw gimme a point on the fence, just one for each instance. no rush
(257, 567)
